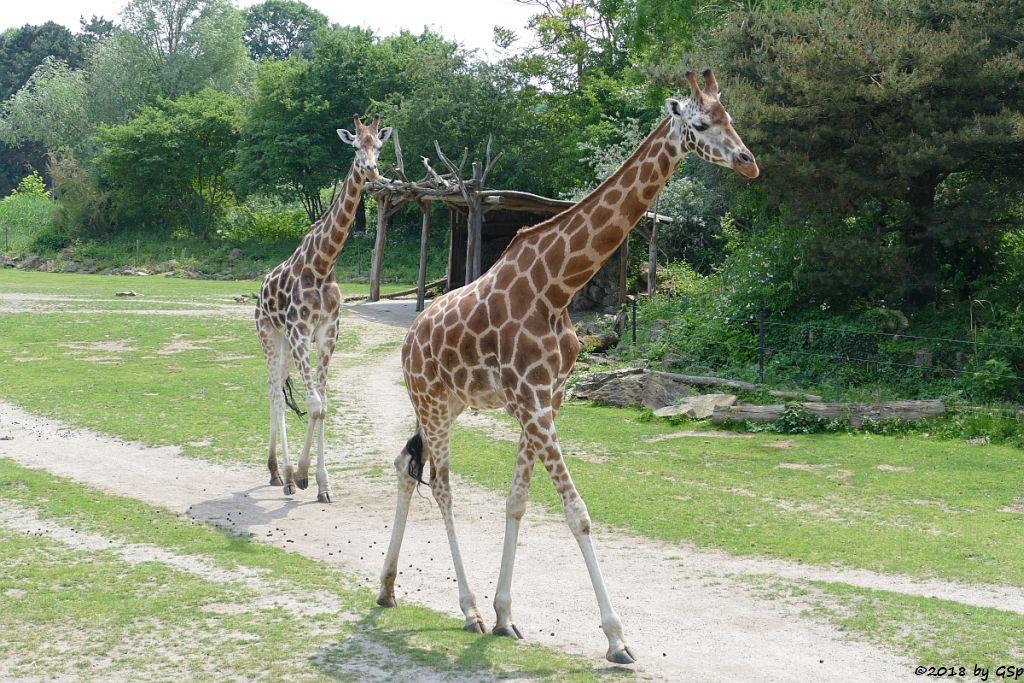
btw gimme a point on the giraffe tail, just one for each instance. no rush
(289, 397)
(414, 447)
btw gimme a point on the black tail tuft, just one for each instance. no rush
(414, 447)
(289, 397)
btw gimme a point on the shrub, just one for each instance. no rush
(263, 220)
(25, 212)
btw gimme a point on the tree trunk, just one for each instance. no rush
(923, 287)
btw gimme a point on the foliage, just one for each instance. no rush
(81, 207)
(263, 220)
(51, 108)
(857, 103)
(167, 48)
(289, 148)
(25, 212)
(171, 161)
(23, 49)
(278, 29)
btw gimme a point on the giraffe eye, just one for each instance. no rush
(700, 126)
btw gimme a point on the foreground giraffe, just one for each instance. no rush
(506, 340)
(298, 305)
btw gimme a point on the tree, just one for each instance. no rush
(167, 48)
(289, 147)
(278, 29)
(914, 108)
(49, 109)
(23, 49)
(172, 160)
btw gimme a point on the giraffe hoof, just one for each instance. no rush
(289, 489)
(275, 480)
(623, 656)
(386, 601)
(475, 626)
(511, 631)
(323, 497)
(302, 483)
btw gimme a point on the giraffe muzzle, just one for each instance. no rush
(744, 164)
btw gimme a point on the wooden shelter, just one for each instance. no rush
(481, 223)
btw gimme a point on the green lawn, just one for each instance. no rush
(87, 613)
(914, 506)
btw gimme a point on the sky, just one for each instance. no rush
(469, 22)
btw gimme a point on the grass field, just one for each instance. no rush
(98, 587)
(914, 506)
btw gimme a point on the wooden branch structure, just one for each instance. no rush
(469, 202)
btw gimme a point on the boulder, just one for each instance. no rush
(30, 262)
(697, 407)
(656, 328)
(234, 254)
(630, 387)
(70, 267)
(599, 342)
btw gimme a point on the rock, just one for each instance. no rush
(977, 441)
(70, 267)
(657, 327)
(128, 293)
(922, 359)
(234, 254)
(661, 391)
(30, 262)
(697, 407)
(630, 387)
(599, 342)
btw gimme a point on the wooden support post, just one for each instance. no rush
(456, 249)
(652, 259)
(377, 261)
(475, 226)
(421, 284)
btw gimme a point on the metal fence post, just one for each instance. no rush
(760, 344)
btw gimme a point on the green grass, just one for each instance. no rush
(183, 291)
(913, 506)
(930, 631)
(89, 614)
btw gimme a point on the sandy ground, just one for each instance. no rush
(688, 615)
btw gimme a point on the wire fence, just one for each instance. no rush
(879, 355)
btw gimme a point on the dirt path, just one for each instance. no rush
(689, 619)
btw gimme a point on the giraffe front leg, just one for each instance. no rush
(276, 357)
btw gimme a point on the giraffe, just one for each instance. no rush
(298, 305)
(506, 341)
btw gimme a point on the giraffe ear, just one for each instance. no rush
(384, 133)
(675, 107)
(346, 137)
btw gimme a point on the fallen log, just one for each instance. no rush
(854, 413)
(701, 381)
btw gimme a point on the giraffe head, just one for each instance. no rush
(367, 141)
(705, 127)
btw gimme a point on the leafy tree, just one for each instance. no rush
(172, 161)
(289, 147)
(167, 48)
(49, 109)
(278, 29)
(23, 49)
(912, 111)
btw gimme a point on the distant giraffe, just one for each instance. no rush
(298, 304)
(506, 341)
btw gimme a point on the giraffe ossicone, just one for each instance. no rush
(506, 341)
(298, 307)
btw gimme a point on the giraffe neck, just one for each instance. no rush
(562, 254)
(328, 234)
